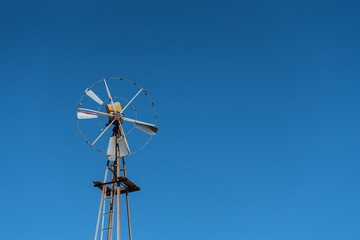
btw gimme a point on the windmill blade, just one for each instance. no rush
(143, 126)
(146, 128)
(111, 151)
(123, 147)
(81, 115)
(93, 96)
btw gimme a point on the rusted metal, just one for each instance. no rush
(129, 186)
(135, 116)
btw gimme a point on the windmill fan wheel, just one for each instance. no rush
(116, 108)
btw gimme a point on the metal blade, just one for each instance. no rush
(123, 147)
(146, 128)
(143, 126)
(111, 149)
(81, 115)
(93, 96)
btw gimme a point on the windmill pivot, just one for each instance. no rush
(119, 116)
(116, 115)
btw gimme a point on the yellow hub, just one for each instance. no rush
(110, 110)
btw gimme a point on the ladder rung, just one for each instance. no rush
(109, 198)
(105, 229)
(108, 213)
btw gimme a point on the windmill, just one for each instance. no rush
(114, 121)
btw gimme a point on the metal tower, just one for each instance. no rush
(116, 184)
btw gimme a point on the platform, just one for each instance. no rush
(129, 185)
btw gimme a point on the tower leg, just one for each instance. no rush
(128, 215)
(118, 198)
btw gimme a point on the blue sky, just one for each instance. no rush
(257, 112)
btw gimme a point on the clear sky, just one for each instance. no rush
(258, 116)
